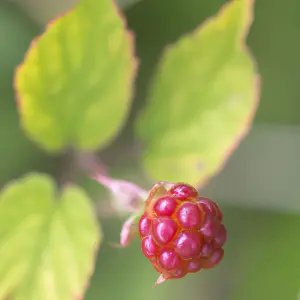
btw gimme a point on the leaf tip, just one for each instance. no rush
(249, 18)
(130, 36)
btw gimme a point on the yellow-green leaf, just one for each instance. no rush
(75, 84)
(202, 99)
(47, 241)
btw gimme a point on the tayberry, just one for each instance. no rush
(190, 216)
(144, 226)
(149, 247)
(181, 232)
(188, 244)
(169, 259)
(165, 206)
(164, 230)
(183, 192)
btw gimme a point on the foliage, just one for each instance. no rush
(202, 100)
(74, 90)
(48, 241)
(66, 94)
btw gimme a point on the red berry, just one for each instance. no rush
(190, 216)
(181, 232)
(214, 259)
(188, 244)
(194, 265)
(210, 228)
(211, 208)
(179, 273)
(149, 247)
(208, 207)
(165, 206)
(170, 260)
(207, 249)
(183, 192)
(221, 237)
(144, 226)
(164, 230)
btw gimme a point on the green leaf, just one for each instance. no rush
(47, 242)
(202, 100)
(75, 84)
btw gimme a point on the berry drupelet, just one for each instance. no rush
(180, 231)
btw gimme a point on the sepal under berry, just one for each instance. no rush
(129, 231)
(126, 196)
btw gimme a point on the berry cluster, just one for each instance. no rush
(181, 232)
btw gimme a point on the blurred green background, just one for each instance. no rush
(258, 189)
